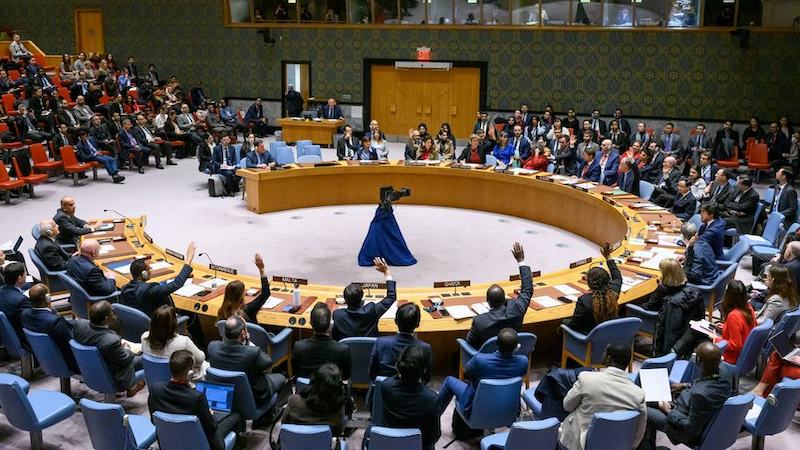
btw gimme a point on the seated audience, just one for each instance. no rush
(784, 199)
(666, 183)
(162, 339)
(503, 313)
(383, 360)
(781, 294)
(255, 117)
(89, 151)
(233, 303)
(606, 390)
(406, 401)
(128, 144)
(223, 162)
(12, 300)
(47, 249)
(539, 159)
(259, 158)
(707, 169)
(85, 272)
(323, 402)
(600, 304)
(348, 145)
(147, 296)
(741, 204)
(360, 319)
(503, 150)
(427, 150)
(378, 145)
(147, 138)
(413, 145)
(310, 354)
(724, 142)
(235, 353)
(738, 319)
(473, 153)
(122, 363)
(698, 144)
(177, 396)
(685, 418)
(41, 318)
(683, 203)
(713, 228)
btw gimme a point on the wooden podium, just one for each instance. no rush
(319, 132)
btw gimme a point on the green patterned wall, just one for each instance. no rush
(656, 74)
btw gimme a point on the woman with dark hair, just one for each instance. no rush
(781, 294)
(738, 320)
(600, 304)
(233, 303)
(785, 127)
(322, 403)
(446, 127)
(248, 145)
(423, 129)
(131, 106)
(66, 70)
(163, 340)
(754, 131)
(427, 151)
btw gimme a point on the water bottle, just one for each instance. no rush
(296, 296)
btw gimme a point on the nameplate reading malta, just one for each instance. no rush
(223, 269)
(451, 284)
(173, 253)
(290, 280)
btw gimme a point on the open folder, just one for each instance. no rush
(655, 383)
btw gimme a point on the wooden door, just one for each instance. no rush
(89, 31)
(401, 99)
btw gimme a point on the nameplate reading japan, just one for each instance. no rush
(370, 285)
(290, 280)
(450, 284)
(580, 263)
(222, 269)
(147, 237)
(173, 253)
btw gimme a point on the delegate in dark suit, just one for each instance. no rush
(89, 276)
(128, 144)
(12, 303)
(479, 156)
(521, 145)
(720, 192)
(121, 362)
(345, 146)
(89, 150)
(508, 314)
(582, 319)
(608, 168)
(179, 398)
(255, 116)
(785, 202)
(387, 349)
(226, 156)
(71, 228)
(698, 144)
(724, 142)
(363, 321)
(51, 254)
(330, 112)
(629, 181)
(589, 171)
(310, 354)
(148, 297)
(684, 206)
(47, 321)
(409, 405)
(233, 355)
(255, 159)
(714, 234)
(672, 144)
(741, 208)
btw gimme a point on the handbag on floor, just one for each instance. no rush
(216, 186)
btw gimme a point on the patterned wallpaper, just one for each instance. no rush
(655, 74)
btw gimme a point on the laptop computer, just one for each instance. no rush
(218, 395)
(785, 348)
(9, 250)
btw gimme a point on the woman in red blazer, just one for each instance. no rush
(739, 320)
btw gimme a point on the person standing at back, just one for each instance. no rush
(503, 313)
(360, 319)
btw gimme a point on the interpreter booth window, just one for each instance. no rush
(331, 11)
(314, 10)
(587, 12)
(651, 13)
(386, 12)
(413, 12)
(496, 12)
(468, 12)
(360, 11)
(618, 13)
(718, 13)
(440, 12)
(684, 13)
(239, 11)
(555, 12)
(525, 12)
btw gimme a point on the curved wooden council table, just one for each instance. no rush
(583, 211)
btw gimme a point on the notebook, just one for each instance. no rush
(218, 395)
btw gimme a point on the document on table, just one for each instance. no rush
(189, 290)
(459, 311)
(272, 302)
(214, 283)
(107, 248)
(629, 283)
(391, 312)
(480, 308)
(703, 326)
(586, 186)
(546, 301)
(105, 227)
(655, 383)
(125, 269)
(159, 265)
(567, 289)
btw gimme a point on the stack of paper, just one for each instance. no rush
(546, 301)
(107, 248)
(629, 282)
(655, 383)
(480, 308)
(567, 289)
(703, 326)
(189, 290)
(272, 302)
(160, 265)
(214, 283)
(587, 186)
(459, 311)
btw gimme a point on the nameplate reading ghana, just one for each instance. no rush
(449, 284)
(290, 280)
(174, 254)
(370, 285)
(580, 263)
(147, 237)
(223, 269)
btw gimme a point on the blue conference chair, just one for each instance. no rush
(751, 350)
(735, 253)
(301, 146)
(312, 150)
(156, 369)
(759, 210)
(382, 438)
(587, 350)
(723, 430)
(80, 299)
(34, 411)
(495, 405)
(696, 221)
(551, 168)
(770, 235)
(49, 277)
(545, 409)
(646, 190)
(769, 250)
(621, 425)
(527, 343)
(661, 362)
(176, 430)
(360, 351)
(777, 411)
(50, 358)
(307, 437)
(273, 146)
(648, 318)
(277, 345)
(309, 159)
(10, 340)
(788, 323)
(135, 323)
(111, 429)
(529, 435)
(712, 293)
(284, 155)
(95, 371)
(243, 401)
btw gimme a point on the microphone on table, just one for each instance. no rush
(211, 263)
(127, 219)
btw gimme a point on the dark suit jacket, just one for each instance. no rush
(592, 173)
(694, 408)
(748, 202)
(409, 405)
(147, 297)
(644, 138)
(70, 228)
(51, 254)
(254, 159)
(624, 125)
(139, 135)
(254, 113)
(12, 304)
(603, 126)
(482, 126)
(178, 398)
(363, 321)
(465, 154)
(342, 145)
(326, 112)
(125, 143)
(59, 140)
(684, 206)
(723, 195)
(217, 157)
(629, 181)
(101, 133)
(118, 358)
(620, 141)
(714, 234)
(310, 354)
(490, 366)
(777, 145)
(64, 115)
(582, 319)
(89, 276)
(677, 144)
(719, 150)
(387, 349)
(46, 321)
(670, 182)
(509, 314)
(524, 147)
(85, 152)
(786, 205)
(611, 167)
(231, 355)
